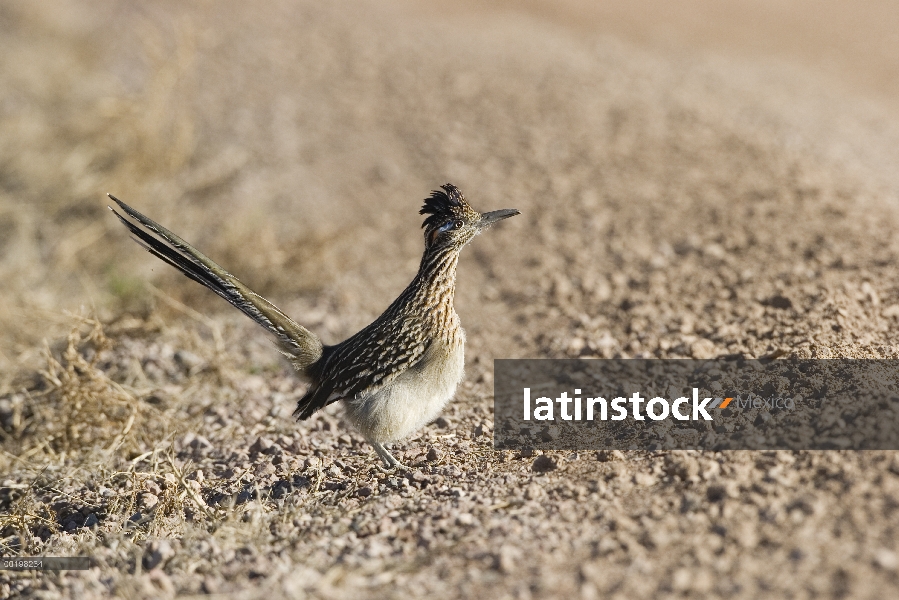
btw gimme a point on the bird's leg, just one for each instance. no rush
(390, 463)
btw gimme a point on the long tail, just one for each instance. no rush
(300, 344)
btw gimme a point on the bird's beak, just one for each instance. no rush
(488, 219)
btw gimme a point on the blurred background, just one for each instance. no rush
(293, 143)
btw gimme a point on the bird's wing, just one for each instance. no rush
(365, 363)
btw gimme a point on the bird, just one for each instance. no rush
(395, 375)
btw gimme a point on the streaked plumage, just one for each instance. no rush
(396, 374)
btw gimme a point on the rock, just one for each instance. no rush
(442, 422)
(762, 418)
(868, 291)
(433, 455)
(609, 455)
(683, 466)
(779, 302)
(91, 520)
(465, 519)
(261, 445)
(157, 553)
(264, 469)
(644, 479)
(200, 444)
(188, 360)
(185, 441)
(605, 344)
(148, 501)
(543, 464)
(533, 492)
(548, 434)
(209, 585)
(715, 493)
(703, 349)
(157, 581)
(886, 559)
(507, 558)
(274, 450)
(681, 580)
(483, 429)
(575, 345)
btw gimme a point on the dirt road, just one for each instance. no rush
(675, 172)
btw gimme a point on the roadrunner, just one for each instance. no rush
(395, 375)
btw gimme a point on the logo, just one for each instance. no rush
(694, 408)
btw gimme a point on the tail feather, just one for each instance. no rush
(297, 342)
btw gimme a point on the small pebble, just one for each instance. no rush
(886, 559)
(260, 445)
(264, 469)
(543, 463)
(188, 360)
(157, 553)
(148, 501)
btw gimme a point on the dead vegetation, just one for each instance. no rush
(140, 478)
(672, 206)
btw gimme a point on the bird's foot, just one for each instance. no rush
(394, 468)
(391, 464)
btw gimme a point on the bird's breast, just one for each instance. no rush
(415, 397)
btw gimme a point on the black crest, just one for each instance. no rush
(445, 202)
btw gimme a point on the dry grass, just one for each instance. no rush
(99, 465)
(83, 132)
(665, 199)
(70, 425)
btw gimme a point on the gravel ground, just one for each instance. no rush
(672, 206)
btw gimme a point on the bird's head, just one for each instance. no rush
(452, 222)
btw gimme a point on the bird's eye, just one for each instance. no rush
(458, 225)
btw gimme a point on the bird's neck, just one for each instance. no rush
(436, 278)
(435, 284)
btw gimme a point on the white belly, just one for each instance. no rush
(413, 399)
